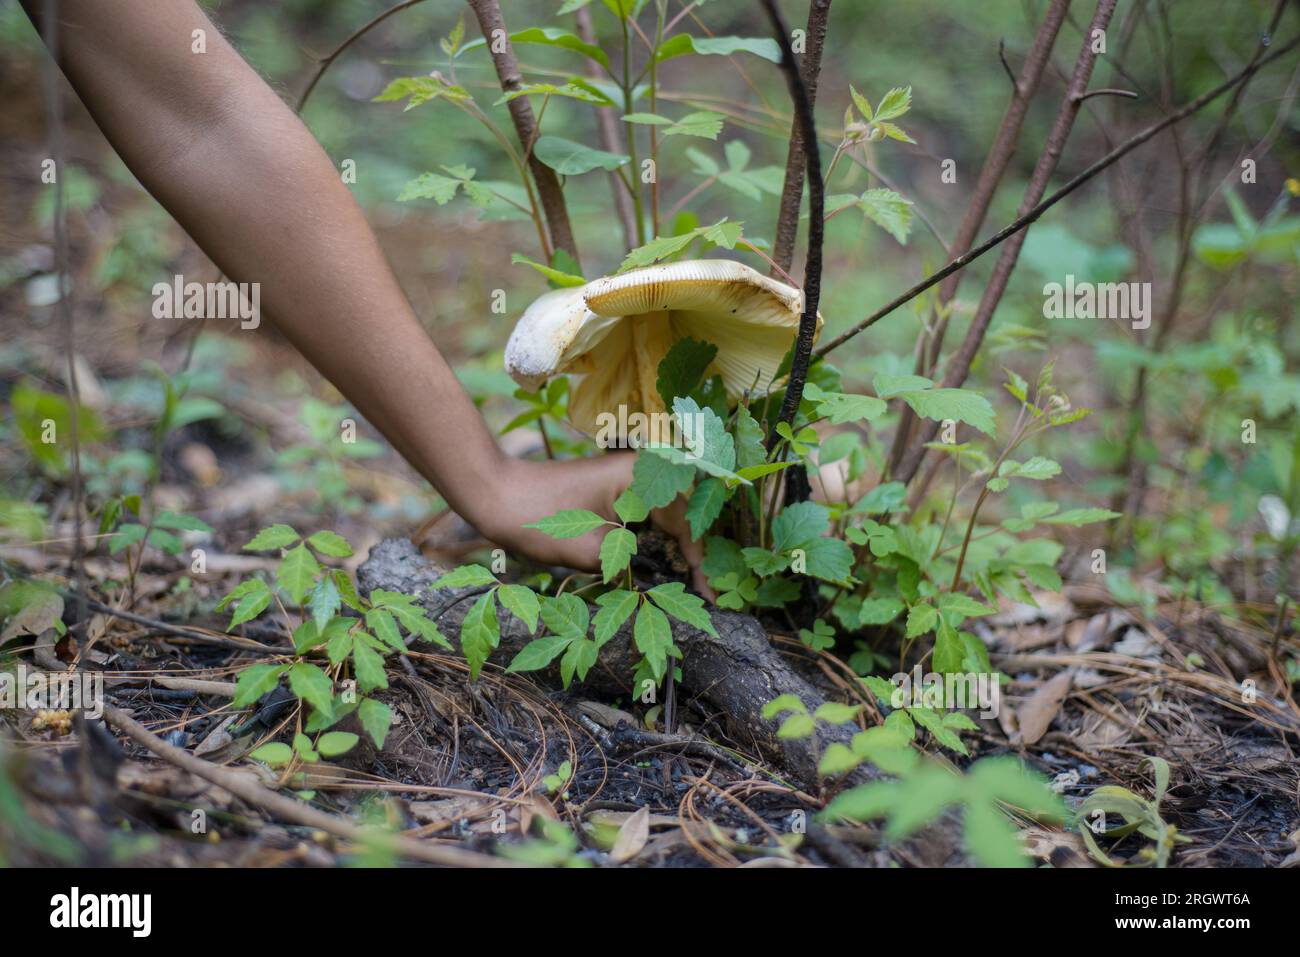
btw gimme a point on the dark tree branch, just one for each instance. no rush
(787, 223)
(1036, 213)
(488, 13)
(334, 54)
(611, 139)
(995, 167)
(817, 218)
(960, 365)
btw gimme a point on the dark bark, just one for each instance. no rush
(488, 13)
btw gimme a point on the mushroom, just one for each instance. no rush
(615, 331)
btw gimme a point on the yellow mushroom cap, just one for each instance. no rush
(615, 331)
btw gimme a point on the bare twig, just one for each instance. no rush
(297, 811)
(611, 138)
(488, 13)
(959, 367)
(787, 224)
(325, 63)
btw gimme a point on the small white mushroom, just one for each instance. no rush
(615, 331)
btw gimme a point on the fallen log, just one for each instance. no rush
(733, 675)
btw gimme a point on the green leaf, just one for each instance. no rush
(842, 408)
(255, 681)
(684, 44)
(616, 607)
(1082, 516)
(796, 726)
(799, 525)
(376, 717)
(382, 623)
(722, 233)
(654, 638)
(833, 712)
(895, 103)
(861, 102)
(333, 743)
(682, 369)
(555, 37)
(521, 602)
(296, 571)
(331, 544)
(659, 481)
(616, 550)
(830, 559)
(750, 450)
(441, 189)
(705, 506)
(1037, 468)
(921, 619)
(184, 523)
(568, 523)
(576, 89)
(889, 211)
(480, 633)
(879, 611)
(566, 614)
(578, 659)
(888, 386)
(466, 576)
(882, 499)
(991, 838)
(275, 753)
(961, 405)
(539, 653)
(253, 596)
(569, 158)
(312, 685)
(272, 537)
(963, 605)
(325, 601)
(673, 598)
(557, 277)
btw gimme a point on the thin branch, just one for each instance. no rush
(960, 365)
(488, 13)
(611, 139)
(995, 167)
(803, 109)
(338, 50)
(1036, 213)
(63, 269)
(787, 224)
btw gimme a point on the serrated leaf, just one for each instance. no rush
(376, 717)
(521, 602)
(568, 523)
(254, 596)
(330, 543)
(961, 405)
(333, 743)
(271, 537)
(255, 681)
(894, 104)
(325, 601)
(616, 607)
(842, 408)
(673, 598)
(570, 158)
(312, 685)
(465, 576)
(682, 369)
(616, 550)
(921, 619)
(296, 572)
(705, 506)
(539, 653)
(653, 637)
(659, 481)
(480, 633)
(888, 210)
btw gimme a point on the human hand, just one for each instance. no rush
(526, 491)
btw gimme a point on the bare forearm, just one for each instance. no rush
(247, 181)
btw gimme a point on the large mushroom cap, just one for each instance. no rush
(615, 331)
